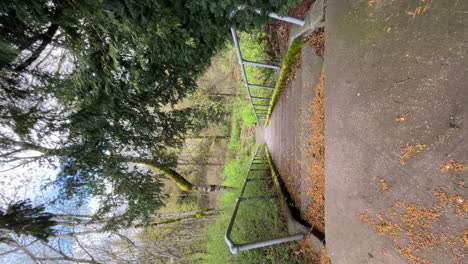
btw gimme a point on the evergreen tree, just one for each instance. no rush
(22, 218)
(122, 63)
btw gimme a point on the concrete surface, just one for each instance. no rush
(313, 19)
(295, 227)
(288, 126)
(259, 135)
(288, 130)
(382, 61)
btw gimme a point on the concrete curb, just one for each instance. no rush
(314, 19)
(294, 226)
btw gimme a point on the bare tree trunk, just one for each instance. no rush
(221, 95)
(207, 137)
(183, 220)
(212, 188)
(183, 183)
(79, 219)
(199, 164)
(210, 211)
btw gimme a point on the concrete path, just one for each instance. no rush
(288, 124)
(288, 130)
(396, 73)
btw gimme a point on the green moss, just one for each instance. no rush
(288, 61)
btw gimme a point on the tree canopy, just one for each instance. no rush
(85, 84)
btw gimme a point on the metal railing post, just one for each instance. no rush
(236, 248)
(260, 86)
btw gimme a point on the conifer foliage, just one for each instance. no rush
(22, 218)
(86, 84)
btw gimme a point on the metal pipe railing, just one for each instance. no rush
(259, 64)
(259, 116)
(235, 247)
(289, 19)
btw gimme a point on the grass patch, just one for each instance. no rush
(288, 61)
(241, 119)
(254, 47)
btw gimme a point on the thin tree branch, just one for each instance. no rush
(84, 249)
(26, 145)
(17, 248)
(25, 250)
(46, 39)
(11, 152)
(13, 159)
(22, 164)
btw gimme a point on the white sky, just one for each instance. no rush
(25, 182)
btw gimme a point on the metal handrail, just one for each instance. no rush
(235, 247)
(259, 116)
(289, 19)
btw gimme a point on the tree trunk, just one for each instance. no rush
(80, 219)
(46, 39)
(208, 137)
(199, 164)
(221, 95)
(205, 211)
(181, 217)
(211, 188)
(184, 220)
(183, 183)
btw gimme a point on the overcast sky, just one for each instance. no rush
(25, 182)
